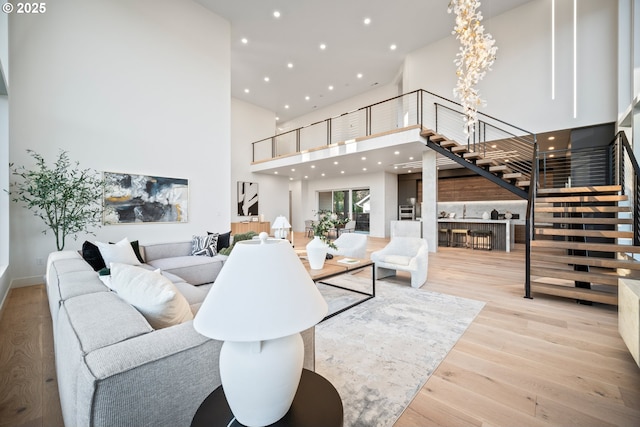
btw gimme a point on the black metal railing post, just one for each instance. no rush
(530, 219)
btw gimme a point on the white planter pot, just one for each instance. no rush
(316, 253)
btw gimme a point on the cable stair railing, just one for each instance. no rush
(584, 235)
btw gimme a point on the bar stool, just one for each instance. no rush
(443, 236)
(458, 237)
(481, 239)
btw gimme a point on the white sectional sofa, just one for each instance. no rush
(113, 368)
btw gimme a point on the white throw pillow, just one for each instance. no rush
(152, 294)
(121, 252)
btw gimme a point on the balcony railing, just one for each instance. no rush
(494, 137)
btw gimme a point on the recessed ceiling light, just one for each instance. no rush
(290, 178)
(313, 166)
(359, 75)
(379, 163)
(277, 118)
(494, 146)
(290, 65)
(367, 21)
(330, 87)
(341, 171)
(364, 169)
(409, 171)
(363, 158)
(323, 46)
(246, 91)
(266, 78)
(551, 148)
(305, 177)
(244, 40)
(286, 106)
(293, 169)
(335, 163)
(396, 152)
(276, 14)
(306, 98)
(551, 138)
(393, 47)
(395, 167)
(323, 174)
(411, 158)
(552, 155)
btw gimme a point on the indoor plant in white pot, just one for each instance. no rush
(317, 248)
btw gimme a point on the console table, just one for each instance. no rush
(246, 226)
(316, 404)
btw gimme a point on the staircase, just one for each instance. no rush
(577, 251)
(580, 240)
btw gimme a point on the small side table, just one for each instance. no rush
(316, 404)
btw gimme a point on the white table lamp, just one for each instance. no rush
(280, 225)
(259, 312)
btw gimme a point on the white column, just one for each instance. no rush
(430, 199)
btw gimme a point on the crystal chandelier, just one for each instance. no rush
(477, 54)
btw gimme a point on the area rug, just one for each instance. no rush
(380, 353)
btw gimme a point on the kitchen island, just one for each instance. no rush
(502, 230)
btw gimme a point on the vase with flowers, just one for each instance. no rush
(317, 248)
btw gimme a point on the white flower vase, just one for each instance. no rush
(316, 253)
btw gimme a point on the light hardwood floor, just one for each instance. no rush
(541, 362)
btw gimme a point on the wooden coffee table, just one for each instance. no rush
(342, 265)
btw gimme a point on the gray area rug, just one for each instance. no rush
(380, 353)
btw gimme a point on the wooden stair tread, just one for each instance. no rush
(459, 149)
(573, 220)
(599, 247)
(614, 234)
(594, 189)
(575, 293)
(514, 175)
(582, 209)
(583, 199)
(486, 162)
(523, 183)
(446, 143)
(437, 137)
(426, 133)
(581, 276)
(499, 168)
(472, 155)
(628, 264)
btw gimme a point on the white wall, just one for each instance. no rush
(250, 123)
(4, 164)
(518, 89)
(140, 87)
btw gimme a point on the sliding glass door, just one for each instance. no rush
(352, 203)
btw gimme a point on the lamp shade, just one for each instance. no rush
(280, 222)
(263, 292)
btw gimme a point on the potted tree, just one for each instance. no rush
(66, 198)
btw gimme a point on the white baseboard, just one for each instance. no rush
(27, 281)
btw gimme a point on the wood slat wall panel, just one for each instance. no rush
(470, 189)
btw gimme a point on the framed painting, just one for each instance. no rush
(247, 198)
(130, 199)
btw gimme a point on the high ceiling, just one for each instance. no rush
(353, 48)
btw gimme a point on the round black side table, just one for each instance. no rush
(316, 404)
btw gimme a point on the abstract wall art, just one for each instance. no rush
(247, 198)
(132, 198)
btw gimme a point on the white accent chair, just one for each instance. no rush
(409, 254)
(352, 245)
(349, 227)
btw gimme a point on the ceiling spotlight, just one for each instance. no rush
(552, 155)
(396, 152)
(379, 163)
(246, 91)
(411, 158)
(306, 98)
(276, 14)
(323, 46)
(276, 172)
(363, 158)
(277, 118)
(359, 75)
(552, 148)
(393, 47)
(290, 65)
(306, 176)
(323, 174)
(330, 87)
(335, 163)
(364, 169)
(367, 21)
(494, 146)
(409, 171)
(244, 40)
(313, 166)
(395, 167)
(341, 171)
(551, 138)
(293, 169)
(286, 106)
(266, 79)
